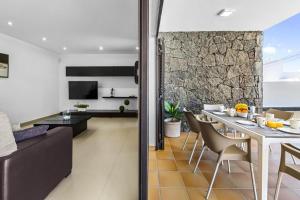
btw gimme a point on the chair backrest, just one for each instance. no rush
(212, 106)
(192, 121)
(292, 170)
(214, 140)
(280, 114)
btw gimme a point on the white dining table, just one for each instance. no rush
(264, 137)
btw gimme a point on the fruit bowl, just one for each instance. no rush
(242, 114)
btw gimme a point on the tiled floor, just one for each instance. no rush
(171, 177)
(105, 163)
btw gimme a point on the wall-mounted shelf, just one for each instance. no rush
(119, 97)
(100, 71)
(106, 113)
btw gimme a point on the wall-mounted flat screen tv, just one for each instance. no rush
(83, 90)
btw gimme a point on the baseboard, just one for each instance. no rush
(38, 119)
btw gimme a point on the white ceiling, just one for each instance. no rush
(201, 15)
(80, 25)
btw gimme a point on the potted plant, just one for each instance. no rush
(81, 107)
(126, 103)
(121, 108)
(173, 122)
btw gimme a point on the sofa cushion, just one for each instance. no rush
(30, 133)
(7, 141)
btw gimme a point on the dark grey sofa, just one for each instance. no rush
(38, 165)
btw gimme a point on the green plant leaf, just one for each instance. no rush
(167, 106)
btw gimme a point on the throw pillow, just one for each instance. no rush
(30, 133)
(7, 140)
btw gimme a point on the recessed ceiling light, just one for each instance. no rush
(226, 12)
(9, 23)
(100, 48)
(65, 48)
(137, 48)
(44, 39)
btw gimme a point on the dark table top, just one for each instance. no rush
(58, 120)
(102, 111)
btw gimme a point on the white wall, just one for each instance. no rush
(31, 91)
(281, 94)
(124, 86)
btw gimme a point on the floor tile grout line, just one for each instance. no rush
(111, 171)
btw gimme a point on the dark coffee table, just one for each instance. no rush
(77, 123)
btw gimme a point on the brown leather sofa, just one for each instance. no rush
(37, 166)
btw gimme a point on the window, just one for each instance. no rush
(282, 51)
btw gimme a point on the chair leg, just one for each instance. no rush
(186, 140)
(192, 154)
(253, 181)
(199, 159)
(228, 163)
(213, 179)
(280, 174)
(295, 163)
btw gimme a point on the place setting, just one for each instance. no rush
(246, 115)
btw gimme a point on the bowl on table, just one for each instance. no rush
(242, 114)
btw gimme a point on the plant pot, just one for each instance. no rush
(172, 128)
(81, 109)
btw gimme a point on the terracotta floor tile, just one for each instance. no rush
(176, 147)
(170, 179)
(183, 165)
(194, 180)
(183, 184)
(182, 155)
(153, 193)
(167, 148)
(153, 179)
(228, 194)
(190, 146)
(164, 155)
(222, 180)
(152, 165)
(166, 165)
(290, 182)
(174, 194)
(248, 193)
(206, 166)
(285, 194)
(199, 194)
(240, 180)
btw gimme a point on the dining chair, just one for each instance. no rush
(226, 149)
(193, 127)
(281, 115)
(290, 169)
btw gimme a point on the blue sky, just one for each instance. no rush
(282, 40)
